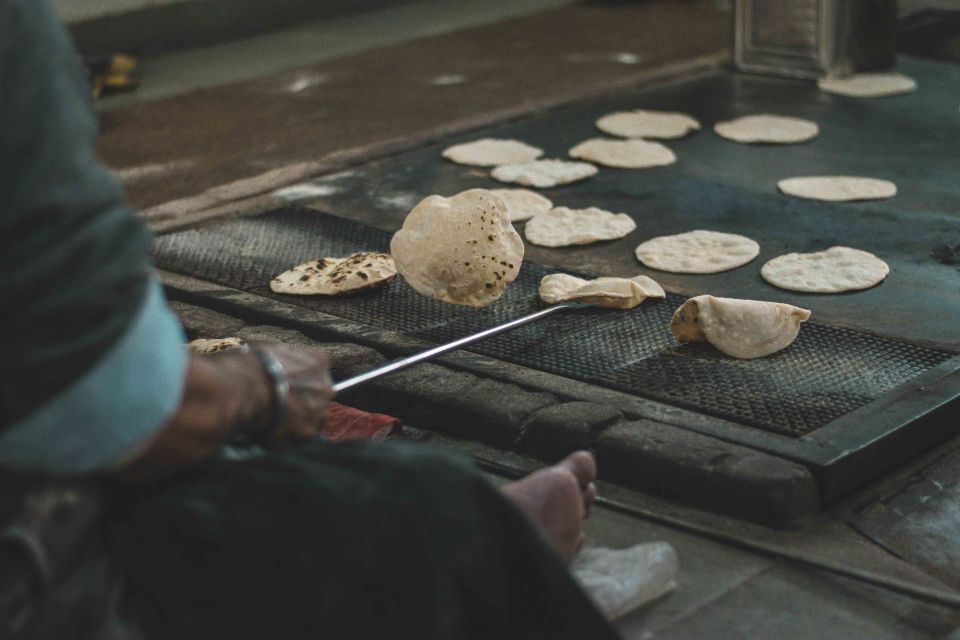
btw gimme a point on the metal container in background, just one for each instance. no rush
(814, 38)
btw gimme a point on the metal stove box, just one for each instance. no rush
(814, 38)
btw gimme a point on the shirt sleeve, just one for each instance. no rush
(115, 409)
(77, 294)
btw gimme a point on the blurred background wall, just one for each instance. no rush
(80, 10)
(154, 26)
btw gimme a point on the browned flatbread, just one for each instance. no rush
(336, 276)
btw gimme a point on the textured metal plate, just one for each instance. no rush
(723, 186)
(827, 373)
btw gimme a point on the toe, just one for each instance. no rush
(582, 465)
(589, 495)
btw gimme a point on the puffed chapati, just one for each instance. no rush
(461, 249)
(607, 292)
(868, 85)
(767, 129)
(523, 204)
(743, 329)
(835, 270)
(838, 188)
(624, 154)
(544, 174)
(642, 123)
(491, 152)
(562, 227)
(337, 276)
(206, 346)
(697, 251)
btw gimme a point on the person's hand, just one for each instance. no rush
(307, 371)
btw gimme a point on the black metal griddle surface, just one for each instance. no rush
(724, 186)
(826, 373)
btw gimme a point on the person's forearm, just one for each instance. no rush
(221, 393)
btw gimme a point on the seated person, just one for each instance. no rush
(308, 540)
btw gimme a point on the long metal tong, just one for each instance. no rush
(403, 363)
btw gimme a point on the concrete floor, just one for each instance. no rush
(181, 72)
(726, 591)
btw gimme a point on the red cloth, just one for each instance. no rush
(347, 423)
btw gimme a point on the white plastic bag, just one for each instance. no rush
(621, 580)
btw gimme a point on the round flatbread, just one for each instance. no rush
(336, 276)
(743, 329)
(838, 188)
(544, 174)
(624, 154)
(523, 204)
(358, 272)
(868, 85)
(206, 346)
(832, 271)
(610, 293)
(698, 252)
(491, 152)
(461, 250)
(767, 129)
(659, 125)
(302, 279)
(562, 227)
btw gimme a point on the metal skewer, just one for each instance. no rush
(403, 363)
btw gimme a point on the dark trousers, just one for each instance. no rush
(391, 540)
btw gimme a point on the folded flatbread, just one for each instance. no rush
(743, 329)
(610, 293)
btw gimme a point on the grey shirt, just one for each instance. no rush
(91, 360)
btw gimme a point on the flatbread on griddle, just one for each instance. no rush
(835, 270)
(743, 329)
(492, 152)
(624, 154)
(607, 292)
(868, 85)
(698, 251)
(562, 227)
(336, 276)
(767, 129)
(206, 346)
(544, 174)
(358, 272)
(642, 123)
(302, 279)
(838, 188)
(523, 204)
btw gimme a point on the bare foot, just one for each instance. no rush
(558, 500)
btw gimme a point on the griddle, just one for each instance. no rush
(873, 378)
